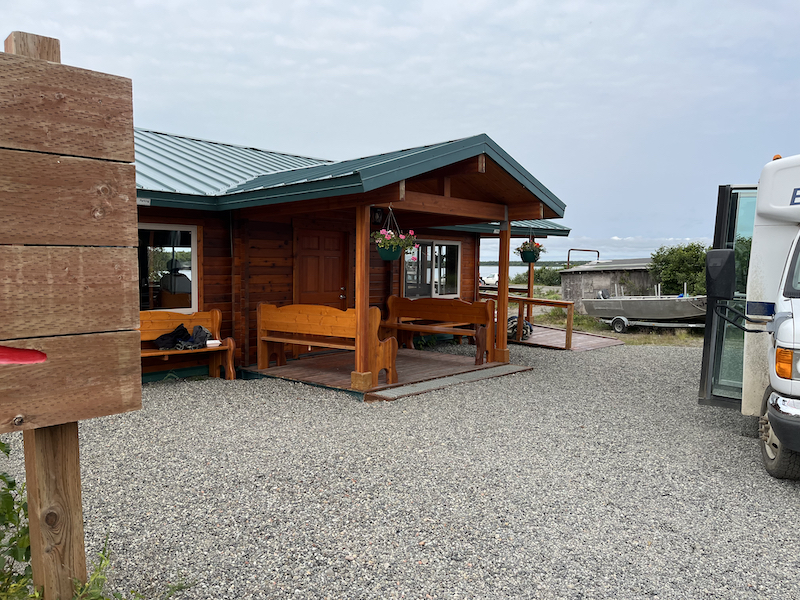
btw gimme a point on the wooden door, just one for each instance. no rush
(320, 266)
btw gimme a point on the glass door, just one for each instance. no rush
(723, 348)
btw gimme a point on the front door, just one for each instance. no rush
(321, 272)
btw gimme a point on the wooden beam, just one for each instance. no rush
(501, 351)
(47, 107)
(457, 207)
(529, 210)
(63, 201)
(361, 378)
(33, 46)
(67, 290)
(84, 376)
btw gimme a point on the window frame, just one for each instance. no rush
(194, 231)
(434, 268)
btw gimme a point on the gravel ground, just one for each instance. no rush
(595, 475)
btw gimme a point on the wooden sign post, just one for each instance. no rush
(68, 281)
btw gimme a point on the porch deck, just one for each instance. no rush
(414, 367)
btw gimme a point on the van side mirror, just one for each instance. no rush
(720, 274)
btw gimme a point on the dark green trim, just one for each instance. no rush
(169, 374)
(310, 190)
(516, 230)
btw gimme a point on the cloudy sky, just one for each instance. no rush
(630, 111)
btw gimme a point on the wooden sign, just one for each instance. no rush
(68, 237)
(69, 306)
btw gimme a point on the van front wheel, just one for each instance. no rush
(779, 462)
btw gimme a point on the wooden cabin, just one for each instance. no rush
(227, 227)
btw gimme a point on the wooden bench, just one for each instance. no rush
(154, 323)
(446, 316)
(325, 327)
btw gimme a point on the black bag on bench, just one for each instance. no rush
(168, 341)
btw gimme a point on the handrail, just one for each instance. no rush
(523, 302)
(581, 250)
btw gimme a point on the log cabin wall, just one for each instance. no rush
(258, 266)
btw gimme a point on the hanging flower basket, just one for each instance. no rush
(391, 241)
(529, 251)
(390, 253)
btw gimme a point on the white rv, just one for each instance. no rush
(752, 345)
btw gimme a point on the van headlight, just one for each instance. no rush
(786, 366)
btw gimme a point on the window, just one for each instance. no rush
(168, 267)
(432, 270)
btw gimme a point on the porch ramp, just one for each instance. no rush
(412, 389)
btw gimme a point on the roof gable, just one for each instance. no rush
(191, 173)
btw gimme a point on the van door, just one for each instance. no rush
(723, 347)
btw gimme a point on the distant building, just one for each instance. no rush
(629, 277)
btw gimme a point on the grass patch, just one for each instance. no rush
(558, 317)
(635, 336)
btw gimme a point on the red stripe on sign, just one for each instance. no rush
(20, 356)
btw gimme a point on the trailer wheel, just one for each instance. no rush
(619, 325)
(779, 462)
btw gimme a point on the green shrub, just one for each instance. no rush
(541, 276)
(672, 266)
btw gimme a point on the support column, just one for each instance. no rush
(361, 378)
(501, 352)
(530, 287)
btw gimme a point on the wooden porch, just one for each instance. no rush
(333, 369)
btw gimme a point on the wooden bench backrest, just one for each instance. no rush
(441, 309)
(154, 323)
(312, 319)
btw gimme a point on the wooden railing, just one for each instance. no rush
(530, 303)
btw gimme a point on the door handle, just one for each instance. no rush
(342, 297)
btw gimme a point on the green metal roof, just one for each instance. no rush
(536, 228)
(173, 174)
(175, 164)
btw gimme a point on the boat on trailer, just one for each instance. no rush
(650, 311)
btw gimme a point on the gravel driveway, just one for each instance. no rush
(595, 475)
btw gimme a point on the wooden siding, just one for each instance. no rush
(257, 267)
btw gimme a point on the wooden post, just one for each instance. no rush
(69, 244)
(502, 353)
(531, 269)
(53, 482)
(570, 317)
(361, 378)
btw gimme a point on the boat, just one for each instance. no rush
(666, 311)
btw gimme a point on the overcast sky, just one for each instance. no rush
(630, 111)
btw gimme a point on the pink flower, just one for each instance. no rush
(413, 259)
(410, 232)
(402, 237)
(383, 231)
(416, 245)
(388, 237)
